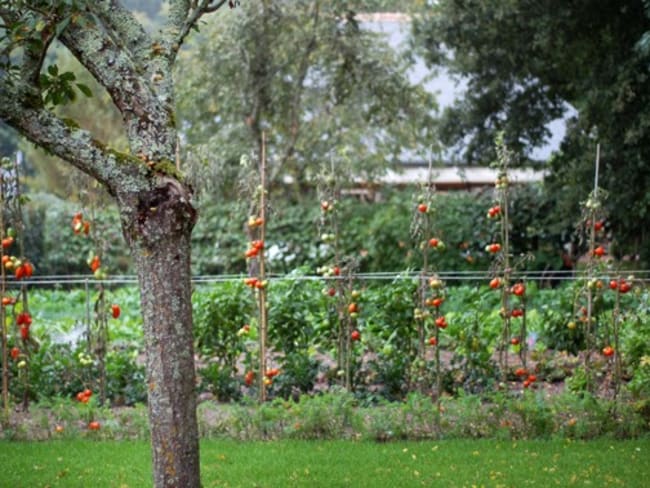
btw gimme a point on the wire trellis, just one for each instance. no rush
(641, 275)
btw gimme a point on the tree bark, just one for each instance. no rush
(157, 225)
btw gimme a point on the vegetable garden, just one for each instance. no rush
(422, 353)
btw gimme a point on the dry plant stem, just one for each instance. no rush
(617, 356)
(348, 343)
(3, 314)
(438, 377)
(590, 303)
(591, 216)
(262, 275)
(523, 345)
(101, 341)
(20, 228)
(505, 290)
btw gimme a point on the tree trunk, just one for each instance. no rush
(157, 225)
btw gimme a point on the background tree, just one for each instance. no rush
(524, 64)
(154, 201)
(330, 87)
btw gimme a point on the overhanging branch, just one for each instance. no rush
(72, 144)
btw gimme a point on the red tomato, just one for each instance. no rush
(422, 208)
(521, 372)
(433, 341)
(495, 283)
(7, 242)
(20, 272)
(95, 263)
(353, 308)
(599, 252)
(441, 322)
(249, 378)
(355, 335)
(15, 352)
(514, 341)
(519, 289)
(436, 302)
(608, 351)
(115, 311)
(624, 287)
(94, 425)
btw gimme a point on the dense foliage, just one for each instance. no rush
(526, 63)
(301, 331)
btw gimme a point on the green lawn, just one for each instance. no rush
(77, 463)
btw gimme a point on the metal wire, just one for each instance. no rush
(642, 275)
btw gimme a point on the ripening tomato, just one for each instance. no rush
(495, 283)
(19, 273)
(24, 318)
(15, 352)
(433, 242)
(532, 378)
(94, 425)
(336, 271)
(422, 208)
(28, 269)
(599, 252)
(521, 372)
(7, 242)
(249, 378)
(608, 351)
(353, 308)
(598, 226)
(441, 322)
(115, 311)
(433, 341)
(95, 263)
(436, 302)
(519, 289)
(517, 312)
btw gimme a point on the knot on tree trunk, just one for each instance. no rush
(164, 211)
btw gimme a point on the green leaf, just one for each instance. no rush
(84, 89)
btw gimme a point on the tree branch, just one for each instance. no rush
(141, 92)
(186, 16)
(74, 145)
(127, 31)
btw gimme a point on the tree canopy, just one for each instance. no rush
(329, 88)
(524, 63)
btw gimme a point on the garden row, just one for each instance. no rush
(302, 341)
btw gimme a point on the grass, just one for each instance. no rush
(77, 463)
